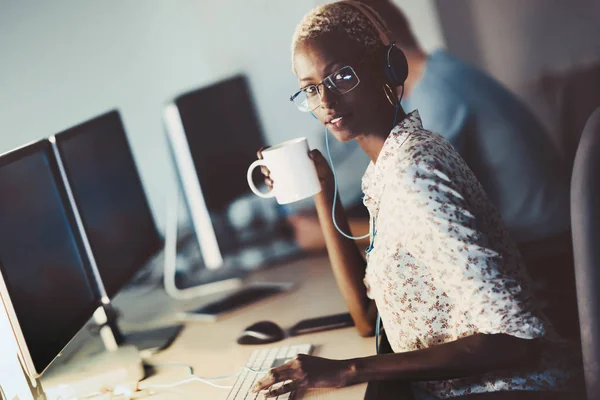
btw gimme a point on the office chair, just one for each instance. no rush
(585, 220)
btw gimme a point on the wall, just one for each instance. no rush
(66, 61)
(518, 41)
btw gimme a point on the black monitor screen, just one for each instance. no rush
(41, 257)
(110, 198)
(223, 133)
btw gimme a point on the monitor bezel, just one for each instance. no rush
(71, 331)
(188, 181)
(80, 129)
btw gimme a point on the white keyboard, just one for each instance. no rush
(263, 360)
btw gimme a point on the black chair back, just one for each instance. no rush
(585, 220)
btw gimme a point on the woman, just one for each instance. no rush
(442, 271)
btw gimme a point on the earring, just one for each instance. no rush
(390, 94)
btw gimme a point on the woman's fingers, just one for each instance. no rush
(323, 170)
(306, 371)
(315, 154)
(259, 152)
(320, 161)
(285, 388)
(269, 183)
(278, 374)
(322, 166)
(264, 170)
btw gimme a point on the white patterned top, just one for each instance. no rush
(443, 265)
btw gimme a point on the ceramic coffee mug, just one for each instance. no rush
(293, 172)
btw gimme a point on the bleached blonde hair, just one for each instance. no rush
(337, 18)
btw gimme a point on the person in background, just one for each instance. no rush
(504, 145)
(442, 270)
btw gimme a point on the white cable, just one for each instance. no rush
(195, 378)
(218, 378)
(335, 188)
(188, 380)
(256, 371)
(189, 367)
(191, 378)
(335, 185)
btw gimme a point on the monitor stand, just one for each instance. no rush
(228, 279)
(214, 280)
(147, 341)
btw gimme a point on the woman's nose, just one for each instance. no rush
(328, 98)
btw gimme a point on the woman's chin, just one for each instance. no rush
(344, 135)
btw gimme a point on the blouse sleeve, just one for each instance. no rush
(442, 232)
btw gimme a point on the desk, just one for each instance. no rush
(211, 348)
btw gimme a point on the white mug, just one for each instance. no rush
(293, 172)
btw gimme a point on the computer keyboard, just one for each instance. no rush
(246, 295)
(262, 360)
(204, 276)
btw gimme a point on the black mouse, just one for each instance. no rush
(261, 332)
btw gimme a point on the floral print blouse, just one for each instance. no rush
(443, 266)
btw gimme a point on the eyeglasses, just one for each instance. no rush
(340, 82)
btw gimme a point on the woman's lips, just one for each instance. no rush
(339, 122)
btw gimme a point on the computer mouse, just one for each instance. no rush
(261, 332)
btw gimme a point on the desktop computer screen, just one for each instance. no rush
(45, 283)
(110, 198)
(214, 134)
(223, 134)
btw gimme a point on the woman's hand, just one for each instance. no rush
(265, 171)
(305, 372)
(323, 170)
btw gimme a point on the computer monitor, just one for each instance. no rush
(45, 279)
(110, 198)
(214, 134)
(116, 219)
(223, 133)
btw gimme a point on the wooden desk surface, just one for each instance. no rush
(211, 349)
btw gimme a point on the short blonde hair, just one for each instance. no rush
(337, 18)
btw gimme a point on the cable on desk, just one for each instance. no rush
(194, 378)
(217, 378)
(141, 389)
(188, 380)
